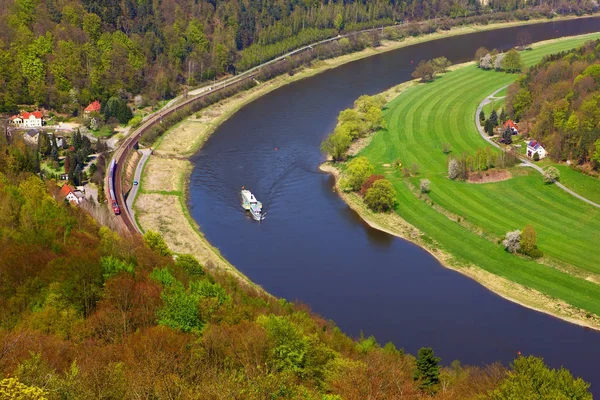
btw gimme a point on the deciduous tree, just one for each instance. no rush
(381, 196)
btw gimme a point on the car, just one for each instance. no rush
(135, 183)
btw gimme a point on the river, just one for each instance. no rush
(312, 248)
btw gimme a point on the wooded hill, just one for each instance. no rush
(88, 314)
(559, 99)
(62, 54)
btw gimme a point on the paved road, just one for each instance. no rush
(137, 177)
(525, 162)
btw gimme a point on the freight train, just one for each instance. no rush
(111, 187)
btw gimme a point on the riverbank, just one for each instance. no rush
(460, 224)
(162, 201)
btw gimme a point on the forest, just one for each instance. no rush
(558, 100)
(63, 54)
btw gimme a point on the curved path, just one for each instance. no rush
(526, 163)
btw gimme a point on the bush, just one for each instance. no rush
(512, 241)
(528, 243)
(359, 169)
(453, 169)
(189, 263)
(381, 196)
(135, 121)
(425, 185)
(425, 71)
(536, 156)
(369, 183)
(551, 175)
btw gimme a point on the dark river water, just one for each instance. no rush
(314, 249)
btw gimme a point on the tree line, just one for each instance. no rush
(63, 55)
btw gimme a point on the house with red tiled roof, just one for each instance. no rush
(513, 127)
(28, 120)
(94, 106)
(74, 197)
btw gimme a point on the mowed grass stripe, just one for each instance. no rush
(470, 248)
(498, 222)
(424, 117)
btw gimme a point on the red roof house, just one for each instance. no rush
(513, 127)
(93, 107)
(72, 195)
(28, 120)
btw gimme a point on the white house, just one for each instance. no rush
(534, 147)
(73, 196)
(28, 120)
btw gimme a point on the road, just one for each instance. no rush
(137, 177)
(526, 162)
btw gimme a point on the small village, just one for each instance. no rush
(73, 151)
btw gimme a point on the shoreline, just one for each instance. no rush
(508, 290)
(193, 240)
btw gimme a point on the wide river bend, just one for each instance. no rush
(314, 249)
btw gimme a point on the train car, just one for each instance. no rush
(111, 188)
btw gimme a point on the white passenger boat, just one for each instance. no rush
(250, 203)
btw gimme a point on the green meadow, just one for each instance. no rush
(424, 117)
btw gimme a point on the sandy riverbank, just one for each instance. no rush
(161, 202)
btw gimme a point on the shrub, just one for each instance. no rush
(359, 169)
(135, 121)
(453, 169)
(551, 175)
(536, 156)
(189, 263)
(369, 183)
(381, 196)
(425, 71)
(528, 243)
(512, 241)
(425, 185)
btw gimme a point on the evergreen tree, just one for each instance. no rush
(76, 140)
(489, 127)
(507, 136)
(481, 116)
(428, 369)
(44, 145)
(494, 118)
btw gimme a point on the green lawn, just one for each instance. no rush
(496, 105)
(424, 117)
(587, 186)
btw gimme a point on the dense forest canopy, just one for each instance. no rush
(560, 100)
(63, 54)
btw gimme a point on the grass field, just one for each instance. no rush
(425, 116)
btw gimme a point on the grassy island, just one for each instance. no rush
(463, 223)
